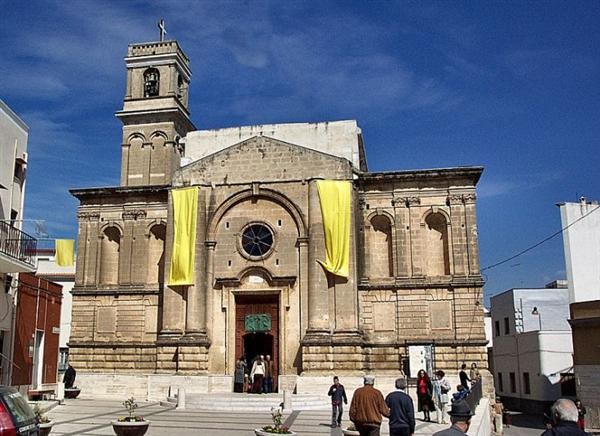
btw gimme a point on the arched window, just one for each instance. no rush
(109, 256)
(380, 247)
(156, 254)
(437, 260)
(151, 82)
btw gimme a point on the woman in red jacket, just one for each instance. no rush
(424, 393)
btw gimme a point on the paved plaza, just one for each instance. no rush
(92, 417)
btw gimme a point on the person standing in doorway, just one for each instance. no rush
(257, 374)
(367, 408)
(337, 394)
(240, 372)
(268, 379)
(402, 411)
(424, 393)
(464, 378)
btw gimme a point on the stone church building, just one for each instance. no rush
(414, 289)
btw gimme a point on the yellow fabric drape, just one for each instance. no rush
(185, 207)
(65, 252)
(335, 198)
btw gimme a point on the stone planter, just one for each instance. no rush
(350, 432)
(261, 432)
(130, 428)
(72, 392)
(45, 428)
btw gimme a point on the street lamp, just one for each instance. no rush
(536, 312)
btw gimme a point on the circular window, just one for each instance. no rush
(257, 240)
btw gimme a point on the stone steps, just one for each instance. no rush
(250, 402)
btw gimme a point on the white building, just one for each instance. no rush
(17, 249)
(581, 240)
(532, 345)
(64, 276)
(582, 257)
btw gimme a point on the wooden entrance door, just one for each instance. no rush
(253, 338)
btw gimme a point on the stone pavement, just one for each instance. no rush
(92, 417)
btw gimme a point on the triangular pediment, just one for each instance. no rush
(264, 159)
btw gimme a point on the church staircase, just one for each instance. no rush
(235, 402)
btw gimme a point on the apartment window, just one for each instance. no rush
(497, 327)
(526, 384)
(500, 382)
(513, 382)
(506, 326)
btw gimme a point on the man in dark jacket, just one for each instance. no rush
(69, 377)
(564, 417)
(337, 394)
(402, 411)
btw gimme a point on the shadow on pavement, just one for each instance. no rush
(527, 421)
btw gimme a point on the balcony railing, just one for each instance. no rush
(17, 244)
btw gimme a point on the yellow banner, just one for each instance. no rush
(335, 198)
(65, 252)
(185, 207)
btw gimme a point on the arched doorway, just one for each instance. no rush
(257, 329)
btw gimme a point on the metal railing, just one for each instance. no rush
(17, 244)
(474, 395)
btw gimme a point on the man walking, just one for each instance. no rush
(367, 408)
(564, 419)
(460, 417)
(402, 411)
(337, 394)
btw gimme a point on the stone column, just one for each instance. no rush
(196, 293)
(362, 264)
(471, 233)
(458, 242)
(303, 282)
(208, 282)
(346, 291)
(318, 297)
(402, 252)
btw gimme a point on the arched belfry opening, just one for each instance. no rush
(437, 261)
(151, 82)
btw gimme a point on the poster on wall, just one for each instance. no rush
(420, 357)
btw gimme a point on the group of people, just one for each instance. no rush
(368, 407)
(257, 380)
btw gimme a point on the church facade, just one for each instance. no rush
(414, 288)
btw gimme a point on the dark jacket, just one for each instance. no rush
(402, 411)
(565, 428)
(452, 431)
(337, 394)
(464, 379)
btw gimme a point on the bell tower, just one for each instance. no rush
(155, 112)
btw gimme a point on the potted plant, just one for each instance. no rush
(277, 427)
(72, 392)
(350, 430)
(44, 423)
(132, 425)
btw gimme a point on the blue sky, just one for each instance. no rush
(511, 86)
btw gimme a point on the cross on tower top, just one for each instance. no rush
(162, 30)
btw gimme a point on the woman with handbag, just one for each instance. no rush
(441, 387)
